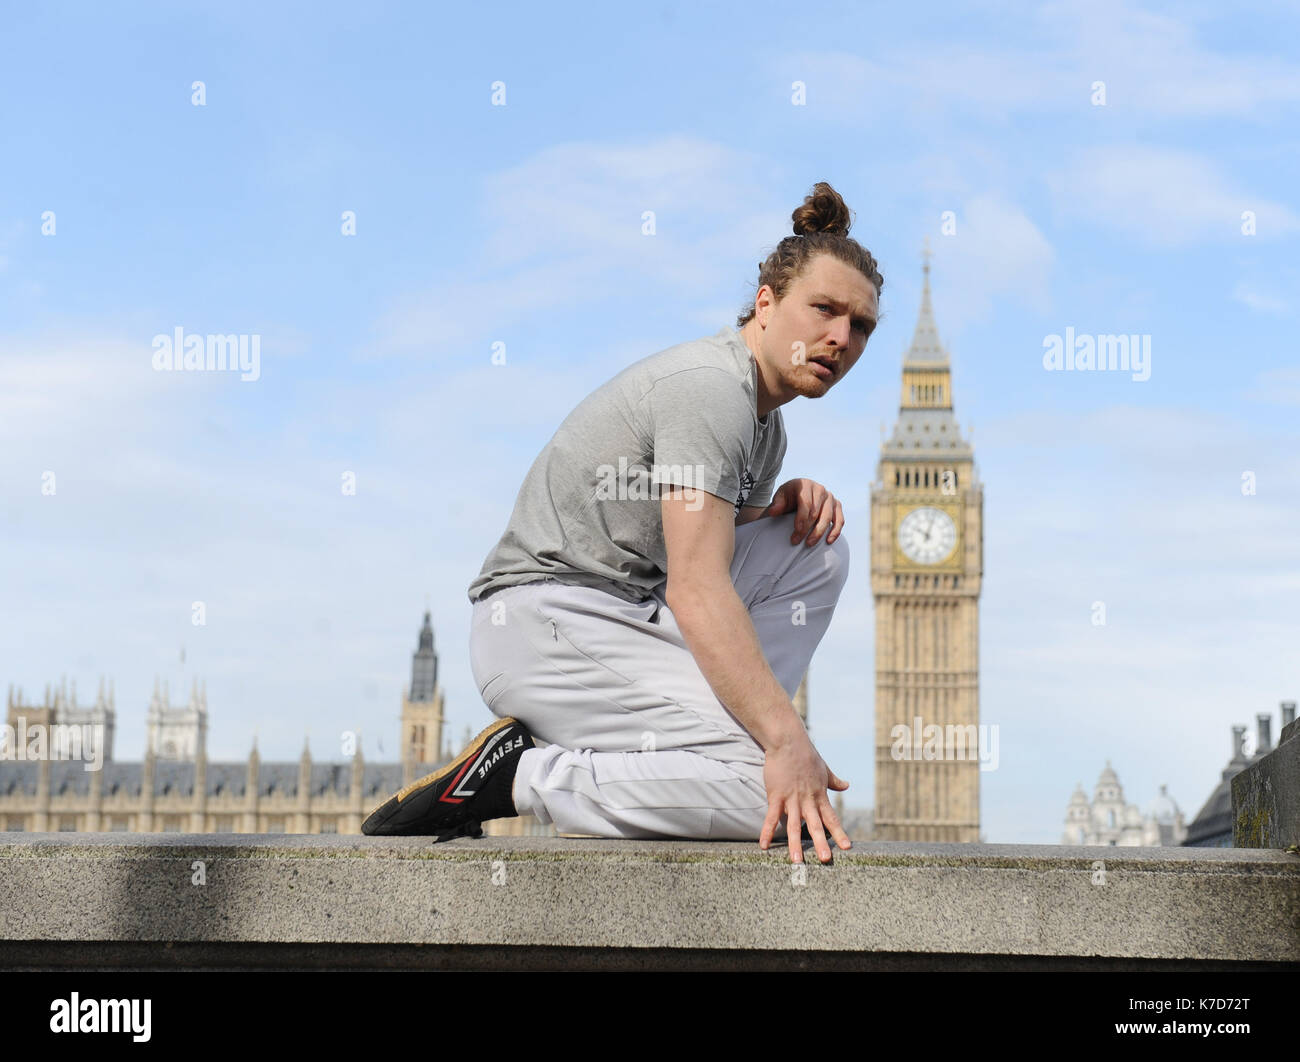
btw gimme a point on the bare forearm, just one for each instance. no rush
(721, 636)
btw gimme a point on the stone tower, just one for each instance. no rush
(422, 714)
(927, 559)
(177, 733)
(60, 708)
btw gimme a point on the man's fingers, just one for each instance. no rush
(806, 512)
(818, 833)
(836, 782)
(792, 831)
(769, 825)
(825, 518)
(839, 523)
(833, 822)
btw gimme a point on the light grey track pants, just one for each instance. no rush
(638, 743)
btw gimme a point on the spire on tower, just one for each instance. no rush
(926, 348)
(424, 664)
(926, 428)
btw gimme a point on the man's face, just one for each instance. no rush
(826, 316)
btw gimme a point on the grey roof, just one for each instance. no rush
(926, 434)
(20, 777)
(1212, 826)
(1215, 818)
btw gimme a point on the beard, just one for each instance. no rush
(806, 381)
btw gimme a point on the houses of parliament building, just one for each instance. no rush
(177, 789)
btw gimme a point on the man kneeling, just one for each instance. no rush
(654, 638)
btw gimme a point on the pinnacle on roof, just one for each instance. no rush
(927, 348)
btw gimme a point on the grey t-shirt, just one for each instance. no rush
(588, 512)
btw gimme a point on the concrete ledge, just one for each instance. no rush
(300, 901)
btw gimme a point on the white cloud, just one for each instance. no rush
(1276, 387)
(1258, 300)
(564, 229)
(997, 252)
(1153, 65)
(1162, 197)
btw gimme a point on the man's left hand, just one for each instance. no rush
(815, 510)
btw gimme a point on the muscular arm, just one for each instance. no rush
(700, 541)
(713, 620)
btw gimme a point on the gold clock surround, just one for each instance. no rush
(950, 563)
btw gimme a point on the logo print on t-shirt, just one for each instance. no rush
(746, 485)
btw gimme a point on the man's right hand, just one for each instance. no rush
(797, 778)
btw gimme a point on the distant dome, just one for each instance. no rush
(1162, 808)
(1078, 796)
(1108, 776)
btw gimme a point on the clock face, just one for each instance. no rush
(927, 535)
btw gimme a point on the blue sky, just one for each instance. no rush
(521, 224)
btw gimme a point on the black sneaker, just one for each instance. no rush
(456, 799)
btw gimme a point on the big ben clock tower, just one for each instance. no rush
(927, 558)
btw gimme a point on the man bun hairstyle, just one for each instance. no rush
(821, 226)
